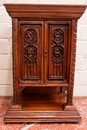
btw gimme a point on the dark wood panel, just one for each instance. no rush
(31, 51)
(57, 47)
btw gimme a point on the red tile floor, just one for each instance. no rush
(81, 104)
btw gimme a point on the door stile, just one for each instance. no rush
(45, 51)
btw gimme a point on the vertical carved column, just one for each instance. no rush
(72, 63)
(15, 57)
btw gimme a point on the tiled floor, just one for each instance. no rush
(81, 104)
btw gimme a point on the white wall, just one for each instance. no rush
(80, 84)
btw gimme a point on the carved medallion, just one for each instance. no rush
(30, 51)
(57, 45)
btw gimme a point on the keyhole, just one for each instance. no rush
(45, 53)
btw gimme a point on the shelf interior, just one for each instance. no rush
(42, 101)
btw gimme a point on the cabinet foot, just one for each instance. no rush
(15, 108)
(68, 107)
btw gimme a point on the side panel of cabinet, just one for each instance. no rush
(57, 51)
(30, 52)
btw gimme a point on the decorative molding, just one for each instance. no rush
(45, 11)
(14, 41)
(72, 64)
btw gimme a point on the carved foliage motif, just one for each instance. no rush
(30, 50)
(57, 45)
(56, 57)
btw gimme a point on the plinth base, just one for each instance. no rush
(42, 108)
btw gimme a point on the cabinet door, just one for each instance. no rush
(30, 48)
(57, 51)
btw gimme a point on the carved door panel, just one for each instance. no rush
(30, 52)
(57, 51)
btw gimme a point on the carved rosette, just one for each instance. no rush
(57, 45)
(30, 50)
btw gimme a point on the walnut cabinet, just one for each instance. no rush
(43, 51)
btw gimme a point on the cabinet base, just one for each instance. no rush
(42, 116)
(42, 110)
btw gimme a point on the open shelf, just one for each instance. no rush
(42, 102)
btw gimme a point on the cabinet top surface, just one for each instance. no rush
(45, 10)
(47, 5)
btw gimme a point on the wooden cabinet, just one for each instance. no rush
(44, 46)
